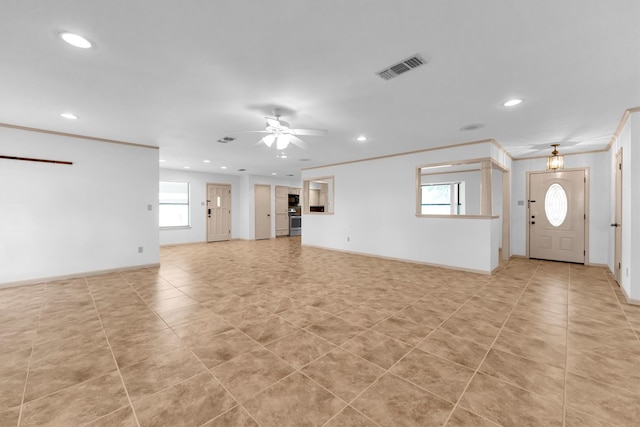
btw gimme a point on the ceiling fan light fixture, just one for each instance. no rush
(283, 142)
(268, 140)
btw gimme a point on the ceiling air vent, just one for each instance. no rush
(226, 139)
(401, 67)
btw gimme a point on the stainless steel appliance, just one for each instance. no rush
(295, 224)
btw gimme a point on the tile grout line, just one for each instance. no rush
(206, 369)
(33, 348)
(299, 370)
(566, 354)
(388, 371)
(621, 306)
(124, 386)
(263, 347)
(492, 343)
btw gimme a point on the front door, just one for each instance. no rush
(262, 202)
(557, 215)
(218, 212)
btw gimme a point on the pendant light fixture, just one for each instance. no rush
(554, 161)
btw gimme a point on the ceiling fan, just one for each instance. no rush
(282, 134)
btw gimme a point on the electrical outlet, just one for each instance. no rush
(140, 249)
(348, 239)
(149, 207)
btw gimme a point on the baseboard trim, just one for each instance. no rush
(629, 299)
(169, 245)
(409, 261)
(599, 265)
(75, 275)
(202, 242)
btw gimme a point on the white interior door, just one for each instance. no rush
(557, 216)
(218, 212)
(617, 221)
(262, 202)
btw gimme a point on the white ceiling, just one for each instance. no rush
(178, 74)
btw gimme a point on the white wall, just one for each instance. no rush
(629, 141)
(600, 200)
(375, 208)
(250, 198)
(197, 230)
(242, 204)
(63, 220)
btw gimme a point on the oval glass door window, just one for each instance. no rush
(555, 205)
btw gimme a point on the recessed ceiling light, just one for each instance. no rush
(241, 170)
(361, 138)
(75, 40)
(69, 116)
(473, 126)
(274, 173)
(162, 160)
(512, 102)
(223, 167)
(187, 167)
(207, 161)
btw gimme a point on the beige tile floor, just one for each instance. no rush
(271, 334)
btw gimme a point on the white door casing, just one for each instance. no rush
(617, 220)
(218, 212)
(282, 210)
(557, 215)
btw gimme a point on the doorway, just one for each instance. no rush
(557, 215)
(262, 202)
(218, 212)
(617, 220)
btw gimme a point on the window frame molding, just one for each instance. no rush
(418, 184)
(188, 204)
(305, 195)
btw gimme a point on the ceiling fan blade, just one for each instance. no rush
(297, 141)
(309, 132)
(245, 131)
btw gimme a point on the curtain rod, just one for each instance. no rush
(28, 159)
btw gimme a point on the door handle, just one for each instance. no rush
(615, 224)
